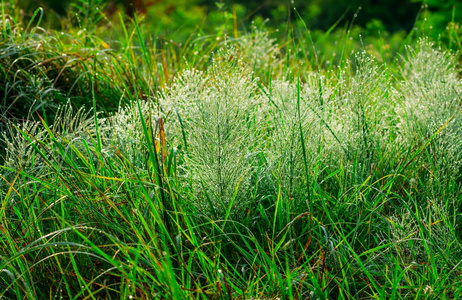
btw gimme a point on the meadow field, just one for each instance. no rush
(256, 162)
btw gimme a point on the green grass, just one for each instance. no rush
(229, 167)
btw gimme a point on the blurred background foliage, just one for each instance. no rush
(174, 18)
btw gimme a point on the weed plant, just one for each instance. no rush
(226, 169)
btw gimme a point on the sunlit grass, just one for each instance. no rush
(229, 167)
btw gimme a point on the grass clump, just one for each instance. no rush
(430, 111)
(219, 125)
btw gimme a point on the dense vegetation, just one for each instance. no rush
(235, 161)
